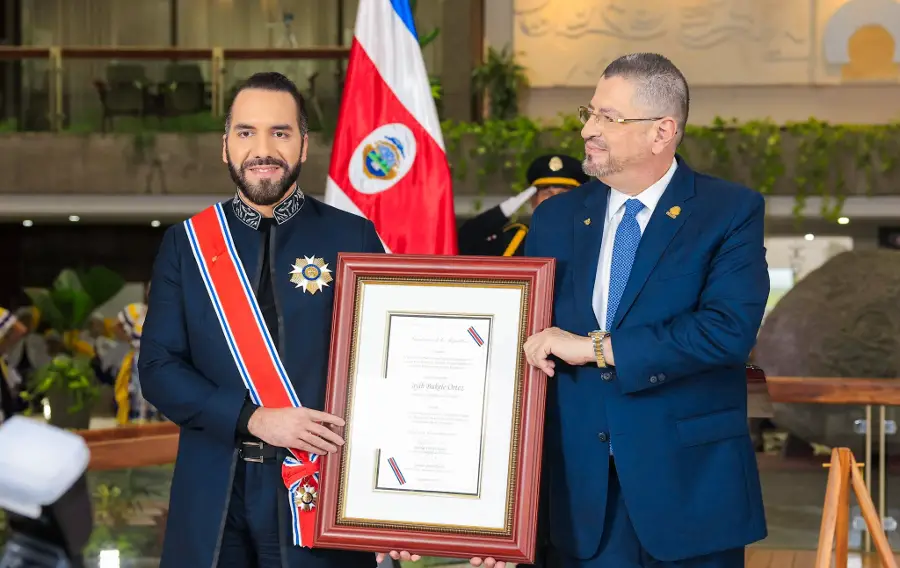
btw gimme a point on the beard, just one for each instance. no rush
(264, 192)
(596, 169)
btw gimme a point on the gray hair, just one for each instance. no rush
(659, 85)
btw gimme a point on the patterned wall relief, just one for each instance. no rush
(715, 42)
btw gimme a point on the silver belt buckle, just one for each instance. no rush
(252, 460)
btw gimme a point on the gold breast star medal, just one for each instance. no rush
(673, 212)
(306, 497)
(312, 274)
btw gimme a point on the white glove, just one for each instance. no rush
(512, 204)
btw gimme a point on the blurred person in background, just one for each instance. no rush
(12, 331)
(490, 233)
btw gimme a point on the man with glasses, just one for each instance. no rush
(661, 285)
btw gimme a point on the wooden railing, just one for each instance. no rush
(131, 446)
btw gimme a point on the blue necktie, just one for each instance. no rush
(628, 236)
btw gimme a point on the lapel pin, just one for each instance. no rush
(673, 212)
(587, 221)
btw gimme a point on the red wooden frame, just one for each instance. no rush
(519, 544)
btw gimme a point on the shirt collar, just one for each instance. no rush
(283, 212)
(649, 197)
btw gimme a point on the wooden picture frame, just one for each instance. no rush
(374, 292)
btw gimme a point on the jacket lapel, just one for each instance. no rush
(588, 224)
(658, 234)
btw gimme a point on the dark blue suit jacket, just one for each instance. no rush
(187, 371)
(675, 405)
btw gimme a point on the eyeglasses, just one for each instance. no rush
(585, 114)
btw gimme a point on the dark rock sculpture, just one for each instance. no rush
(841, 320)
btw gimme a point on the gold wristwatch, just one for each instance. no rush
(597, 337)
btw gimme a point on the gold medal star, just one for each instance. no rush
(312, 274)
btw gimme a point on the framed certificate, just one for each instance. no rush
(444, 417)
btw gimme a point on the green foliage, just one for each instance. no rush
(75, 295)
(501, 80)
(71, 374)
(115, 509)
(811, 158)
(67, 307)
(424, 37)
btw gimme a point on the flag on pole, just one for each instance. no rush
(388, 161)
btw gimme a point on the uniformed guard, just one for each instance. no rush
(491, 234)
(245, 489)
(131, 406)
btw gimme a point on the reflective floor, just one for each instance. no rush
(130, 508)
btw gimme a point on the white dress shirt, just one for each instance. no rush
(615, 210)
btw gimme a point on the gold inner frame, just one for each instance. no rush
(361, 282)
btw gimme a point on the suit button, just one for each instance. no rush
(603, 436)
(662, 377)
(606, 376)
(653, 379)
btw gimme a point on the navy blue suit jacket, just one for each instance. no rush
(187, 371)
(675, 404)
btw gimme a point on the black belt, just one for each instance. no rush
(256, 451)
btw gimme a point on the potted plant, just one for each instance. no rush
(68, 382)
(500, 79)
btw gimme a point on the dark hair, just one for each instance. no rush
(659, 85)
(272, 81)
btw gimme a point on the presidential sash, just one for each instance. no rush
(254, 352)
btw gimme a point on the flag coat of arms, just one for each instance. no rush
(388, 160)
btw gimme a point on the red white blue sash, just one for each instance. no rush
(254, 352)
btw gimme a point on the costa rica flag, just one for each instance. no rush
(388, 161)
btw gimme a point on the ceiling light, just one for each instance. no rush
(27, 223)
(809, 236)
(74, 218)
(843, 220)
(154, 223)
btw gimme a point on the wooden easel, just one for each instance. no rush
(836, 514)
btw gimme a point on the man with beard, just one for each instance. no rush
(235, 348)
(661, 286)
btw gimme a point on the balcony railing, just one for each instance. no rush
(193, 80)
